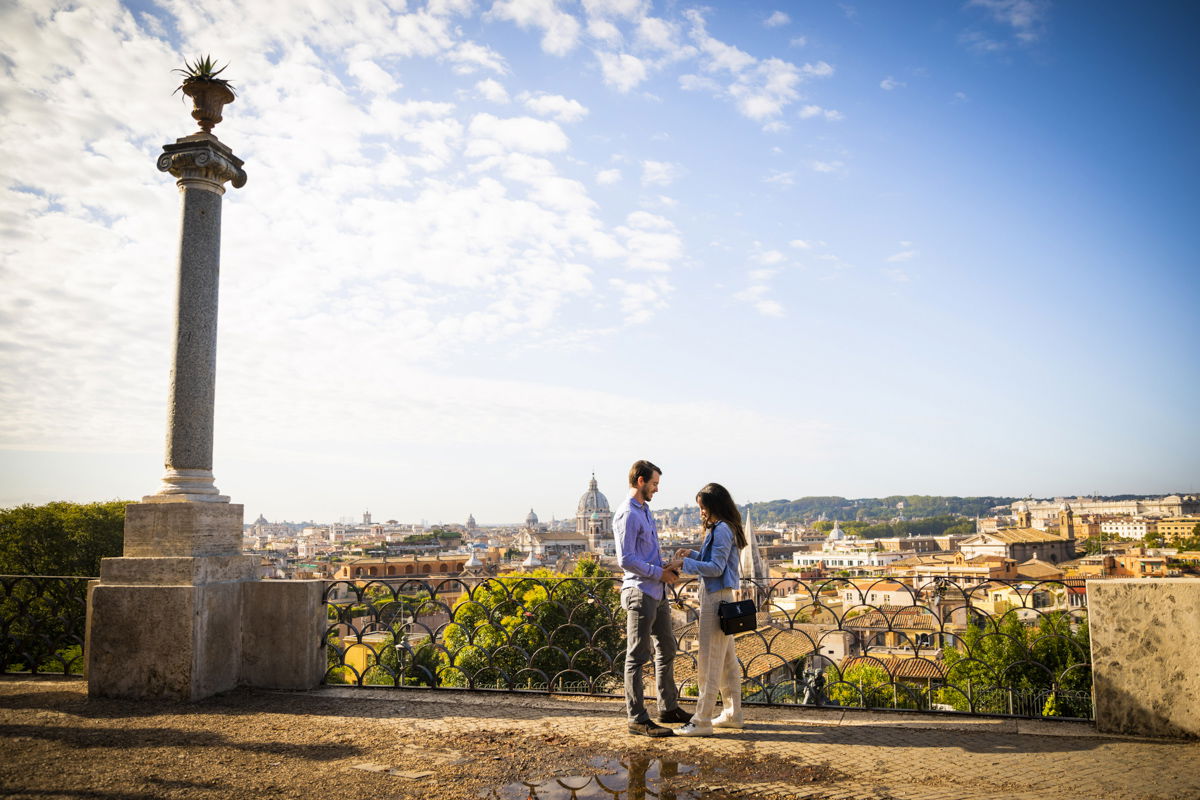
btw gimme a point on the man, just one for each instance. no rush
(644, 598)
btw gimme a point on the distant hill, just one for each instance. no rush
(863, 509)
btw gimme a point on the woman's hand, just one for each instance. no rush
(682, 553)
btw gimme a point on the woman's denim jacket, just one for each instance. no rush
(718, 561)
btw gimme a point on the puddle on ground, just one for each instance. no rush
(634, 778)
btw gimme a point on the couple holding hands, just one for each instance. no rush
(648, 619)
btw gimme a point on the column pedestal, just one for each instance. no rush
(196, 622)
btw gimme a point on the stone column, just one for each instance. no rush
(202, 165)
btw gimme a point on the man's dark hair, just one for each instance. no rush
(642, 469)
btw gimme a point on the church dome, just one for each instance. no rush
(532, 520)
(592, 500)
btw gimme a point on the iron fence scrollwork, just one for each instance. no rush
(990, 647)
(42, 620)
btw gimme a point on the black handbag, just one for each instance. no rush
(737, 616)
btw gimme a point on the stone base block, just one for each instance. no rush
(1145, 646)
(163, 642)
(182, 529)
(282, 627)
(177, 570)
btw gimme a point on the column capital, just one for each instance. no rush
(201, 161)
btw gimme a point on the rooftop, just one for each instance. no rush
(445, 745)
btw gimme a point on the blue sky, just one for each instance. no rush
(489, 247)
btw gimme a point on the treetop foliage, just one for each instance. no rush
(60, 538)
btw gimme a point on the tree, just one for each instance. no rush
(868, 685)
(1002, 665)
(60, 538)
(41, 620)
(542, 630)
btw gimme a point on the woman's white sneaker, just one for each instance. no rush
(692, 729)
(727, 720)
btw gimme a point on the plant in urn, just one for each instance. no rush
(209, 93)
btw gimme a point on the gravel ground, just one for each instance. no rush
(335, 743)
(56, 742)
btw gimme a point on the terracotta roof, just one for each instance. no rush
(898, 667)
(926, 558)
(878, 584)
(762, 650)
(1037, 568)
(895, 617)
(1015, 535)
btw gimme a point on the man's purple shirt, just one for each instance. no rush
(638, 553)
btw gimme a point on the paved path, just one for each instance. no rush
(352, 743)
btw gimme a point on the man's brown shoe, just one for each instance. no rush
(675, 715)
(648, 728)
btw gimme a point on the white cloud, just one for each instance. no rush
(1024, 17)
(607, 177)
(763, 95)
(897, 275)
(800, 244)
(660, 173)
(491, 135)
(757, 297)
(555, 105)
(960, 97)
(372, 77)
(718, 56)
(889, 83)
(605, 31)
(626, 9)
(979, 42)
(826, 166)
(657, 34)
(696, 83)
(652, 241)
(640, 299)
(469, 57)
(760, 89)
(621, 71)
(770, 257)
(798, 41)
(492, 90)
(561, 30)
(903, 255)
(811, 111)
(781, 178)
(777, 19)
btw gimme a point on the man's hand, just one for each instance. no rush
(670, 575)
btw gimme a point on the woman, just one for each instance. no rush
(717, 563)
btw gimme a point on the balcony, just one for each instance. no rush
(488, 687)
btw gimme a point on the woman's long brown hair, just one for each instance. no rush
(716, 500)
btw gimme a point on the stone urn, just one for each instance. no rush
(208, 98)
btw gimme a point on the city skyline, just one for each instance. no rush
(486, 249)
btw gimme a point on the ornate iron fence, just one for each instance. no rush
(993, 647)
(42, 622)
